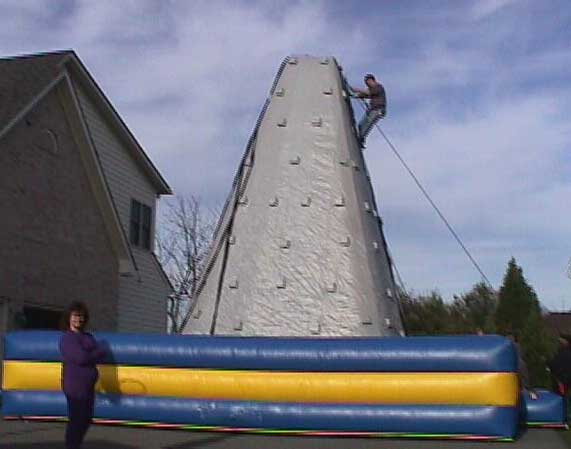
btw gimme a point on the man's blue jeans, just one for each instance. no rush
(368, 121)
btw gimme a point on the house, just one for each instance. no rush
(560, 323)
(78, 201)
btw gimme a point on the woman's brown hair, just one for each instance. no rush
(77, 307)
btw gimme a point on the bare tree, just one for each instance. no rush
(182, 247)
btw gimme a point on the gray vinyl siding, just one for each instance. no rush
(142, 297)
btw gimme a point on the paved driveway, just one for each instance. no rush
(27, 435)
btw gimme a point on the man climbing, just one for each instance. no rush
(376, 108)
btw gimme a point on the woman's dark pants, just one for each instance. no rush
(80, 414)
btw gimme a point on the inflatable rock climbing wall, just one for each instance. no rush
(299, 249)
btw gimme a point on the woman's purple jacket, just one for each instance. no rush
(80, 354)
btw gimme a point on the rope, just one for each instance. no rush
(432, 203)
(394, 273)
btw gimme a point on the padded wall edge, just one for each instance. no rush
(548, 408)
(497, 422)
(498, 389)
(385, 354)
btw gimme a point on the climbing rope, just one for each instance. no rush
(432, 203)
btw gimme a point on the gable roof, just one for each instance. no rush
(25, 79)
(27, 84)
(22, 78)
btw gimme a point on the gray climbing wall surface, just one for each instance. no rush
(299, 249)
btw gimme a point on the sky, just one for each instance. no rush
(479, 101)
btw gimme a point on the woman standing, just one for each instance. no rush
(80, 354)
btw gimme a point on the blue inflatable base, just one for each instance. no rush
(548, 410)
(383, 354)
(397, 420)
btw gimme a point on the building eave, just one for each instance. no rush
(118, 238)
(162, 272)
(80, 74)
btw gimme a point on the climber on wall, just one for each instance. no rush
(377, 107)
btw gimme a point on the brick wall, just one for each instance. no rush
(55, 247)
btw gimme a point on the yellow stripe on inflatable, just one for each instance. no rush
(499, 389)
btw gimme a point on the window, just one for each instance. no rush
(146, 227)
(40, 318)
(135, 222)
(140, 225)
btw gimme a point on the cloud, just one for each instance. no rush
(497, 177)
(196, 75)
(478, 106)
(484, 8)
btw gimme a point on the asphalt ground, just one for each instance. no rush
(35, 435)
